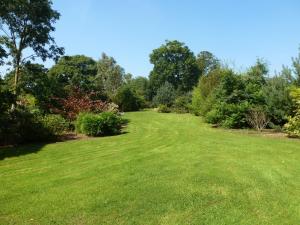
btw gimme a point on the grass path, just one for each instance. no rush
(167, 169)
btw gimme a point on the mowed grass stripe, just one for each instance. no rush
(165, 169)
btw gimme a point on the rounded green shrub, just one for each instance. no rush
(106, 123)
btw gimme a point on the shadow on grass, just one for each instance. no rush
(16, 151)
(8, 152)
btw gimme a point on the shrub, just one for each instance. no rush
(292, 128)
(128, 100)
(165, 95)
(257, 118)
(78, 101)
(20, 126)
(182, 103)
(106, 123)
(56, 124)
(163, 109)
(229, 115)
(112, 107)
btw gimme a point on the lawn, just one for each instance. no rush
(165, 169)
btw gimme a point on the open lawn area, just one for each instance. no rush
(165, 169)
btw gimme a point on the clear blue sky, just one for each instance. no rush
(237, 31)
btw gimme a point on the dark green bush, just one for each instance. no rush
(229, 115)
(106, 123)
(128, 100)
(20, 126)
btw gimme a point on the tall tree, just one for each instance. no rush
(27, 25)
(207, 62)
(174, 63)
(110, 76)
(296, 68)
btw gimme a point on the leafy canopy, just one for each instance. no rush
(174, 63)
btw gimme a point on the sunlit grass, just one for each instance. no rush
(167, 169)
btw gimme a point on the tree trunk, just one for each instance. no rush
(16, 80)
(15, 91)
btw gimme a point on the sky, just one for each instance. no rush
(237, 32)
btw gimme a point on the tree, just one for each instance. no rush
(296, 68)
(27, 25)
(203, 92)
(72, 72)
(110, 76)
(33, 81)
(140, 85)
(255, 80)
(277, 97)
(207, 62)
(173, 63)
(165, 95)
(127, 99)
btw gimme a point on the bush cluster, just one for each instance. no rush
(21, 126)
(106, 123)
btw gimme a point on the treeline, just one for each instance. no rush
(82, 94)
(203, 85)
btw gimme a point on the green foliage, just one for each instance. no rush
(278, 100)
(20, 126)
(229, 115)
(296, 68)
(173, 63)
(207, 62)
(106, 123)
(6, 99)
(292, 127)
(182, 103)
(26, 26)
(55, 124)
(141, 86)
(110, 76)
(128, 100)
(165, 95)
(72, 72)
(163, 109)
(234, 96)
(202, 95)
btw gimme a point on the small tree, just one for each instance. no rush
(165, 95)
(110, 76)
(257, 119)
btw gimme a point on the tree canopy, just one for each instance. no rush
(175, 63)
(27, 25)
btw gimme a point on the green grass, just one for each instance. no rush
(167, 169)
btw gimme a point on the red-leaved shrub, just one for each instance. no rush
(77, 102)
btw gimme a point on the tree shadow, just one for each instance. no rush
(16, 151)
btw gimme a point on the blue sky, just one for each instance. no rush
(235, 31)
